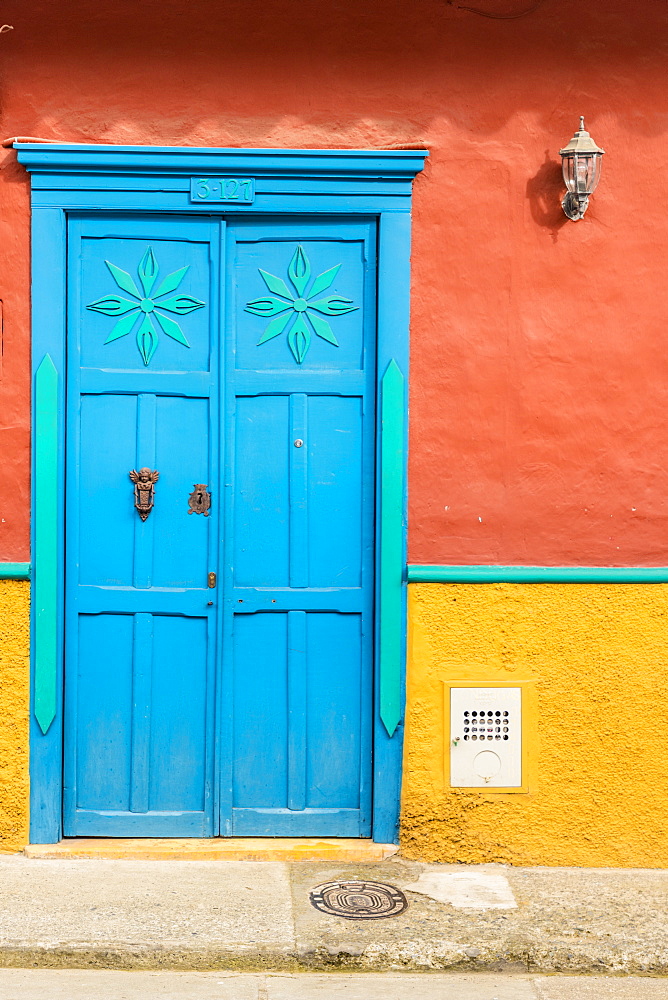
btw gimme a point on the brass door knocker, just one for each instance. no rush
(144, 481)
(199, 500)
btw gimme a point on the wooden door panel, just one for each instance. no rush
(107, 428)
(141, 723)
(299, 584)
(300, 692)
(140, 654)
(337, 521)
(261, 544)
(324, 273)
(130, 267)
(293, 518)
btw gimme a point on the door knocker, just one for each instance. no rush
(144, 481)
(199, 500)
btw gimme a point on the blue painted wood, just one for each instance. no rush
(144, 534)
(393, 319)
(291, 202)
(142, 675)
(298, 589)
(141, 661)
(298, 488)
(74, 160)
(83, 184)
(297, 711)
(299, 573)
(339, 184)
(48, 314)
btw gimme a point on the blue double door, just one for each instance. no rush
(219, 660)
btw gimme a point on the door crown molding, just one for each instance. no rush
(62, 166)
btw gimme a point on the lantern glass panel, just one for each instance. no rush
(595, 171)
(582, 172)
(582, 166)
(567, 170)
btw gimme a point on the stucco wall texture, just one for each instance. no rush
(14, 709)
(599, 656)
(538, 394)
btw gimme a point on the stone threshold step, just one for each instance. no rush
(215, 849)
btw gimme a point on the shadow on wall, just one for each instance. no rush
(544, 191)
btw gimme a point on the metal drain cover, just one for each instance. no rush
(358, 900)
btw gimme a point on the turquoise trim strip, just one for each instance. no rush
(45, 590)
(14, 571)
(537, 574)
(391, 543)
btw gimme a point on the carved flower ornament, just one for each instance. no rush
(146, 305)
(291, 312)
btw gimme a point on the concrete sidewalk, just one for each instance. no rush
(69, 984)
(253, 916)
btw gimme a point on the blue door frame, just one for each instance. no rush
(80, 178)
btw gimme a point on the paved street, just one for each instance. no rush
(37, 984)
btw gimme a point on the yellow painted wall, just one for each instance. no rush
(14, 712)
(599, 738)
(598, 792)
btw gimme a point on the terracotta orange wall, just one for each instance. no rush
(539, 371)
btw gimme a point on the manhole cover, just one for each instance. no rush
(358, 900)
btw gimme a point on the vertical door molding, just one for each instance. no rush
(108, 179)
(391, 518)
(47, 604)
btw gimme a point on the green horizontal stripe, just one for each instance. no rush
(14, 571)
(537, 574)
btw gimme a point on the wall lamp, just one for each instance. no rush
(581, 167)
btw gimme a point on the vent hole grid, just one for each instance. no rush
(486, 725)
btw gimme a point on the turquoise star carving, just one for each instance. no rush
(291, 312)
(146, 305)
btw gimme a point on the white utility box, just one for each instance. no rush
(486, 737)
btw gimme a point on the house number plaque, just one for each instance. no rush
(230, 189)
